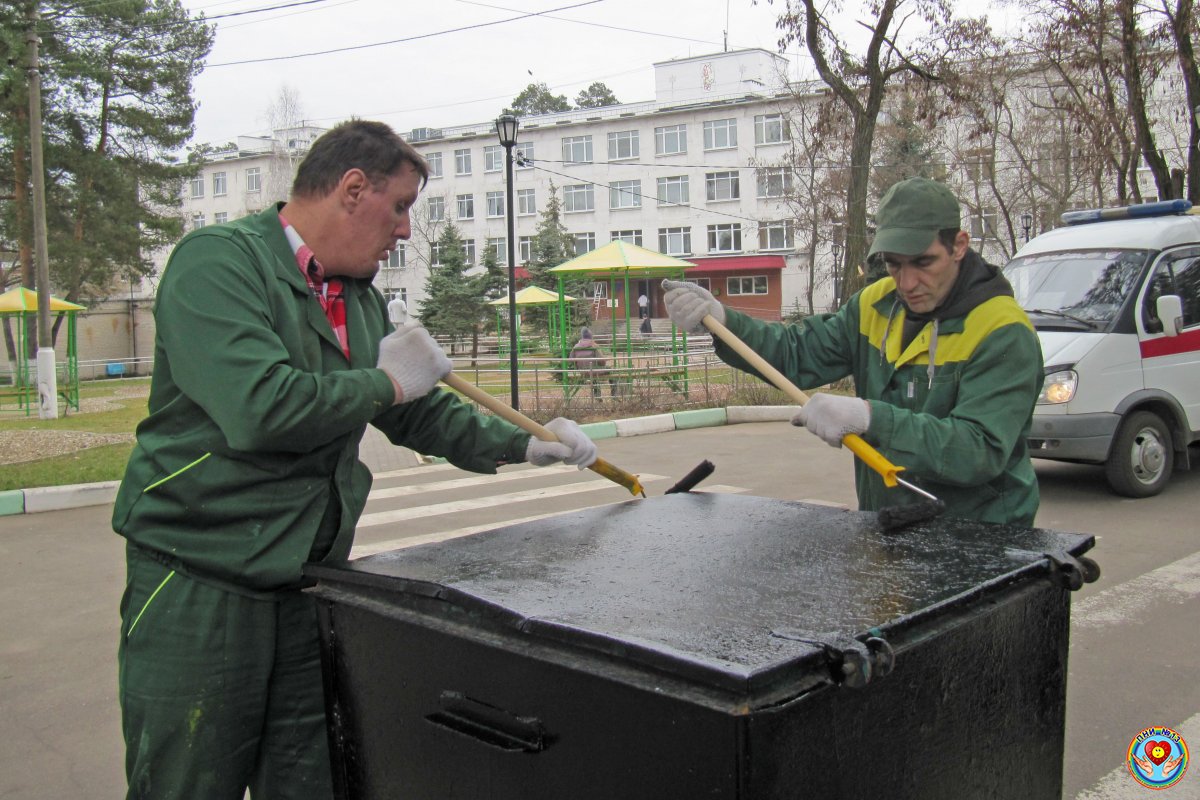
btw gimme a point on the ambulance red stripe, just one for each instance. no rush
(1185, 342)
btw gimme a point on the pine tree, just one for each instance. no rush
(453, 301)
(551, 246)
(116, 104)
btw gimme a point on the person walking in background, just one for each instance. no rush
(643, 306)
(588, 361)
(273, 351)
(946, 365)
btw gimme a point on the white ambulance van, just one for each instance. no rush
(1115, 298)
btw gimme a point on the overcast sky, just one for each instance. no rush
(468, 62)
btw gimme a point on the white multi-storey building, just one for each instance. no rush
(685, 174)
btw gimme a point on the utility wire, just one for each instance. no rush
(405, 39)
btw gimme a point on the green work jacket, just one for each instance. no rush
(249, 454)
(959, 430)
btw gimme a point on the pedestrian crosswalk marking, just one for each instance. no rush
(492, 501)
(1178, 581)
(466, 483)
(424, 469)
(441, 536)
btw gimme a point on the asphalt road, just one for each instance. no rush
(1133, 659)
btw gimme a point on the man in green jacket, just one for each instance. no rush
(273, 352)
(946, 365)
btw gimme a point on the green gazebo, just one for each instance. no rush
(21, 304)
(532, 296)
(618, 263)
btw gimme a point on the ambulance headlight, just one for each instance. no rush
(1059, 387)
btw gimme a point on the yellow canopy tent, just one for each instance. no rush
(531, 296)
(21, 303)
(619, 261)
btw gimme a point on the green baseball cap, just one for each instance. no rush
(910, 215)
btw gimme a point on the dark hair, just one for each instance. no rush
(373, 147)
(948, 236)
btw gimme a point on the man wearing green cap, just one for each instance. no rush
(946, 365)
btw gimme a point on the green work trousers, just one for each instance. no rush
(219, 691)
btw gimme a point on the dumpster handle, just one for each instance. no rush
(488, 724)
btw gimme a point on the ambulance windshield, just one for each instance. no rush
(1076, 289)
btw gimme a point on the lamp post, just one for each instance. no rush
(836, 247)
(506, 129)
(1026, 224)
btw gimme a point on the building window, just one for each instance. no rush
(253, 179)
(462, 162)
(466, 206)
(625, 194)
(578, 197)
(437, 209)
(670, 140)
(221, 217)
(523, 155)
(526, 204)
(629, 237)
(584, 243)
(219, 184)
(435, 164)
(774, 182)
(770, 129)
(577, 149)
(755, 284)
(198, 186)
(469, 252)
(435, 254)
(980, 165)
(493, 158)
(675, 241)
(776, 235)
(524, 249)
(720, 134)
(197, 221)
(599, 290)
(703, 283)
(495, 204)
(982, 224)
(673, 190)
(499, 249)
(395, 261)
(623, 144)
(722, 186)
(725, 238)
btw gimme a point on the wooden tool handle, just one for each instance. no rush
(857, 445)
(500, 409)
(754, 359)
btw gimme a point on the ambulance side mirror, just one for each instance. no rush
(1170, 311)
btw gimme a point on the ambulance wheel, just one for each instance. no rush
(1142, 458)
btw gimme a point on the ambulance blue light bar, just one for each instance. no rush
(1162, 208)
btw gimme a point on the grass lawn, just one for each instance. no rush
(120, 415)
(110, 409)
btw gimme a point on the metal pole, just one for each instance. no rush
(512, 272)
(47, 367)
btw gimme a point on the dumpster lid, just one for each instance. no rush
(731, 591)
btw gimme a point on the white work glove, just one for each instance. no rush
(687, 304)
(413, 360)
(573, 446)
(832, 416)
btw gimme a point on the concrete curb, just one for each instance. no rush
(57, 498)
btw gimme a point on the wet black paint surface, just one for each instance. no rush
(716, 587)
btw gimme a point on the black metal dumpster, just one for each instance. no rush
(703, 646)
